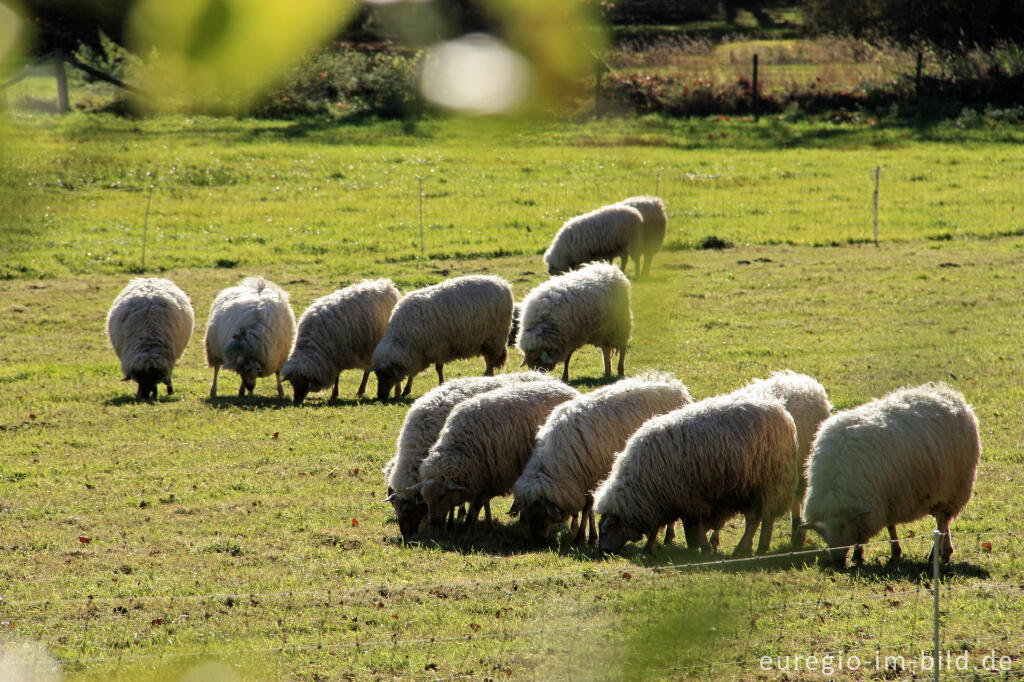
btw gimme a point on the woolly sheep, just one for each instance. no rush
(422, 425)
(577, 444)
(893, 460)
(609, 232)
(484, 446)
(652, 210)
(149, 326)
(459, 318)
(586, 306)
(250, 330)
(339, 331)
(716, 457)
(807, 402)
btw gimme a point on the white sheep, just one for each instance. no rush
(807, 402)
(459, 318)
(605, 234)
(893, 460)
(652, 209)
(577, 444)
(586, 306)
(250, 330)
(149, 325)
(339, 331)
(484, 445)
(707, 460)
(422, 425)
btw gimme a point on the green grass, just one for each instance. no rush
(251, 533)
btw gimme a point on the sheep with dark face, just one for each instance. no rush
(484, 446)
(893, 460)
(459, 318)
(149, 325)
(250, 330)
(605, 234)
(339, 331)
(652, 232)
(577, 444)
(586, 306)
(422, 425)
(713, 458)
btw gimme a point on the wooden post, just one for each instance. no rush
(754, 97)
(63, 106)
(877, 171)
(917, 76)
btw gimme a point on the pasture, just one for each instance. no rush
(144, 539)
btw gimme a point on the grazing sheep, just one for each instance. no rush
(716, 457)
(250, 330)
(423, 422)
(609, 232)
(484, 446)
(652, 209)
(339, 331)
(459, 318)
(893, 460)
(586, 306)
(149, 326)
(576, 446)
(807, 402)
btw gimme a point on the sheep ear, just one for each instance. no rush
(390, 498)
(523, 363)
(417, 486)
(515, 509)
(455, 486)
(554, 513)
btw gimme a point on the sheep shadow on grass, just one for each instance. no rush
(249, 402)
(594, 381)
(132, 400)
(503, 539)
(911, 570)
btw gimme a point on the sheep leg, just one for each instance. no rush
(362, 384)
(408, 387)
(170, 388)
(585, 513)
(280, 388)
(647, 264)
(858, 555)
(334, 389)
(474, 512)
(565, 370)
(574, 525)
(440, 373)
(894, 545)
(592, 523)
(213, 388)
(241, 389)
(398, 389)
(450, 522)
(607, 352)
(625, 260)
(746, 543)
(942, 524)
(764, 542)
(670, 532)
(622, 361)
(716, 537)
(797, 535)
(652, 539)
(696, 538)
(487, 514)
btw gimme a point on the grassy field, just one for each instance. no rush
(141, 540)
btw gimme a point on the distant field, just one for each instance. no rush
(138, 540)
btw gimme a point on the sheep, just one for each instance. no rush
(716, 457)
(250, 330)
(459, 318)
(807, 402)
(484, 446)
(586, 306)
(893, 460)
(513, 332)
(149, 325)
(609, 232)
(577, 444)
(336, 332)
(652, 210)
(422, 425)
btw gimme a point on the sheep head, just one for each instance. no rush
(147, 379)
(387, 378)
(540, 359)
(840, 533)
(441, 495)
(540, 515)
(410, 510)
(614, 533)
(249, 369)
(300, 386)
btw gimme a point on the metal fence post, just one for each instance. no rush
(937, 538)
